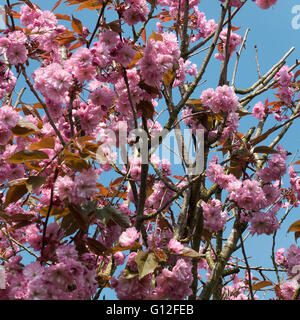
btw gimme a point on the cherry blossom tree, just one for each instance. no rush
(85, 190)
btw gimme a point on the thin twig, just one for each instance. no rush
(238, 57)
(19, 97)
(257, 63)
(47, 217)
(203, 42)
(11, 16)
(97, 24)
(43, 105)
(248, 267)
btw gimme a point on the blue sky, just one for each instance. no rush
(273, 33)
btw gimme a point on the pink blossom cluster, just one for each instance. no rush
(201, 25)
(237, 290)
(10, 171)
(136, 12)
(222, 99)
(234, 3)
(67, 279)
(189, 117)
(290, 261)
(284, 77)
(7, 79)
(175, 246)
(161, 194)
(248, 194)
(128, 237)
(92, 112)
(184, 68)
(14, 48)
(214, 218)
(8, 120)
(265, 4)
(158, 238)
(287, 290)
(234, 40)
(86, 91)
(259, 111)
(109, 235)
(175, 4)
(90, 116)
(76, 190)
(276, 166)
(250, 197)
(54, 82)
(232, 124)
(294, 182)
(293, 261)
(175, 284)
(43, 26)
(264, 222)
(80, 64)
(137, 96)
(110, 47)
(159, 57)
(131, 289)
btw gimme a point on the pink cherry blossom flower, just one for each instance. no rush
(8, 116)
(259, 111)
(63, 187)
(266, 4)
(124, 54)
(17, 37)
(280, 258)
(84, 185)
(5, 134)
(16, 53)
(175, 246)
(234, 3)
(214, 217)
(119, 258)
(102, 96)
(128, 237)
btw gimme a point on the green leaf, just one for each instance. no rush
(128, 274)
(156, 36)
(97, 247)
(191, 253)
(264, 149)
(261, 284)
(134, 247)
(262, 137)
(28, 155)
(35, 182)
(119, 218)
(80, 218)
(147, 108)
(77, 25)
(295, 227)
(15, 193)
(103, 214)
(69, 225)
(146, 262)
(25, 128)
(109, 213)
(44, 143)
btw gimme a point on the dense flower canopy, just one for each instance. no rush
(145, 232)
